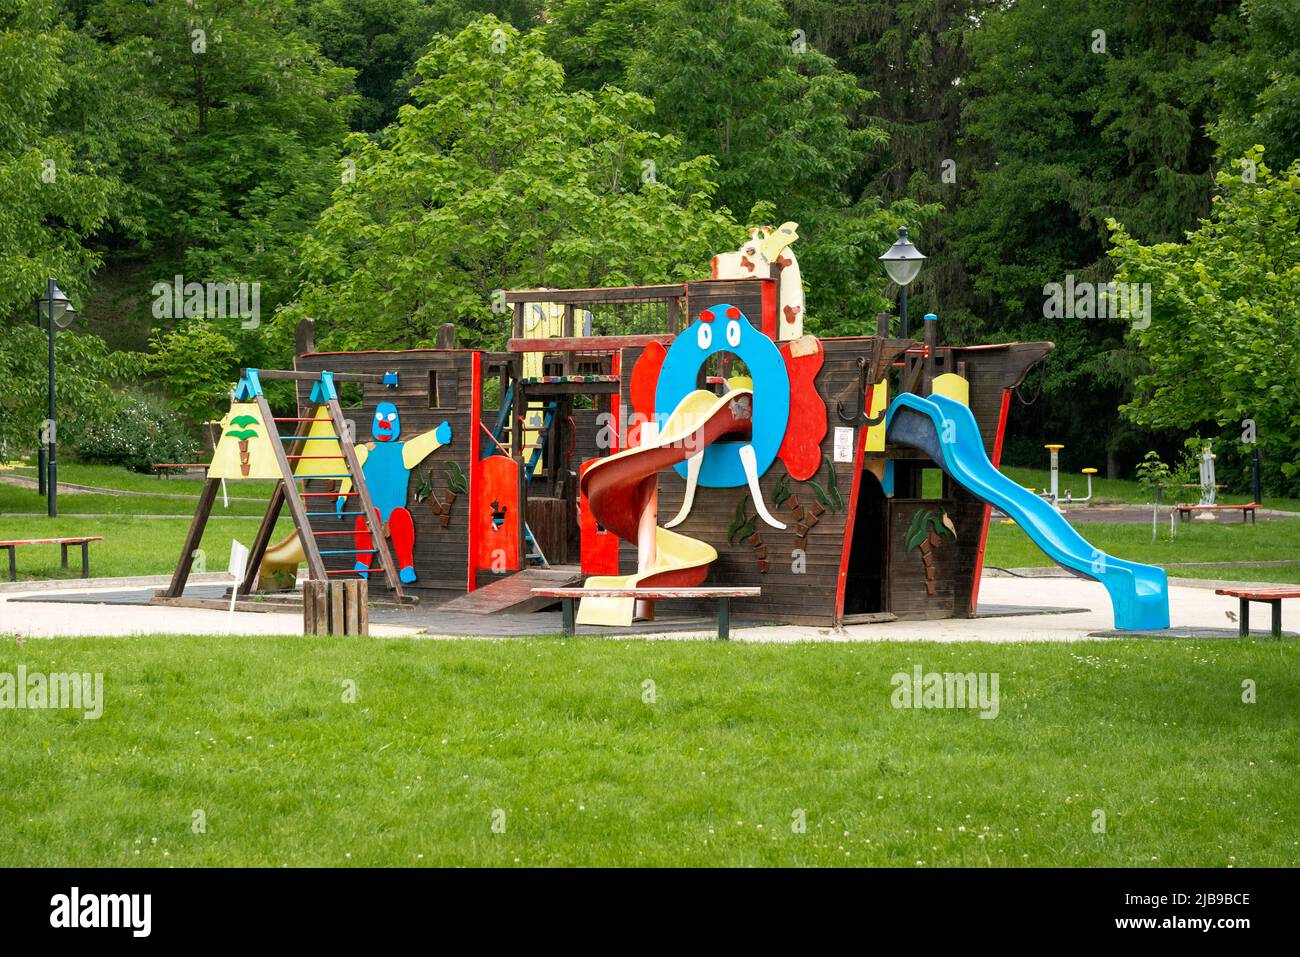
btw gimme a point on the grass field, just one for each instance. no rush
(739, 739)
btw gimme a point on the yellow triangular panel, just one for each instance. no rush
(322, 439)
(244, 450)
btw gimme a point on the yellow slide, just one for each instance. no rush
(619, 489)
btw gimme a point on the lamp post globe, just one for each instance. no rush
(902, 262)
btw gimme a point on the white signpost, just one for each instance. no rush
(238, 564)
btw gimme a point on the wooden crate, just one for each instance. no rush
(335, 607)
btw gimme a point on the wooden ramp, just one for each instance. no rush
(513, 595)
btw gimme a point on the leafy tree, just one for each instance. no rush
(497, 177)
(255, 118)
(1257, 83)
(736, 82)
(1223, 345)
(1079, 113)
(84, 365)
(54, 199)
(383, 39)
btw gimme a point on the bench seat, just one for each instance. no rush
(1270, 596)
(63, 543)
(568, 596)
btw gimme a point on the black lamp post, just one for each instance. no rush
(902, 262)
(55, 307)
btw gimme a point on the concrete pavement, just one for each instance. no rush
(1194, 610)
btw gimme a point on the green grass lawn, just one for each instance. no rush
(1221, 541)
(738, 740)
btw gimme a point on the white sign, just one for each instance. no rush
(238, 562)
(843, 443)
(238, 558)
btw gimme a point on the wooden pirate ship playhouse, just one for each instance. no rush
(655, 436)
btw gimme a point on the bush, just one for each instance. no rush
(137, 431)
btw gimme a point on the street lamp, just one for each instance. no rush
(55, 307)
(902, 262)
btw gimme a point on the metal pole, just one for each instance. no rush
(1255, 477)
(40, 433)
(53, 483)
(902, 311)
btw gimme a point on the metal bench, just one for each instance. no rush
(1269, 596)
(568, 596)
(1247, 509)
(63, 544)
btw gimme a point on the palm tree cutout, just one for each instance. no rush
(926, 532)
(243, 433)
(456, 485)
(744, 528)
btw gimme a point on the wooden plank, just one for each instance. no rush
(514, 593)
(656, 594)
(597, 294)
(53, 541)
(293, 374)
(363, 607)
(338, 623)
(223, 604)
(192, 539)
(309, 607)
(1280, 591)
(592, 344)
(320, 609)
(350, 618)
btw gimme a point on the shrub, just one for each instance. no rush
(136, 431)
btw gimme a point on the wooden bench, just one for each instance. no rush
(1247, 509)
(166, 468)
(1269, 596)
(63, 544)
(568, 596)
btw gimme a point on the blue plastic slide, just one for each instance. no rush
(946, 431)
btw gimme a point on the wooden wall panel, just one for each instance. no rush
(907, 595)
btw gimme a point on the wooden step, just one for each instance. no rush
(513, 594)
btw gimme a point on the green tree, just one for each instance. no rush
(256, 117)
(55, 199)
(1223, 345)
(1257, 84)
(383, 39)
(497, 177)
(1080, 112)
(786, 125)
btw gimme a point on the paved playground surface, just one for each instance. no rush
(1012, 609)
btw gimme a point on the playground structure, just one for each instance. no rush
(657, 438)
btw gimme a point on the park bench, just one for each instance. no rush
(166, 468)
(63, 544)
(568, 596)
(1269, 596)
(1248, 509)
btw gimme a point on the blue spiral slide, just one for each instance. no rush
(945, 430)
